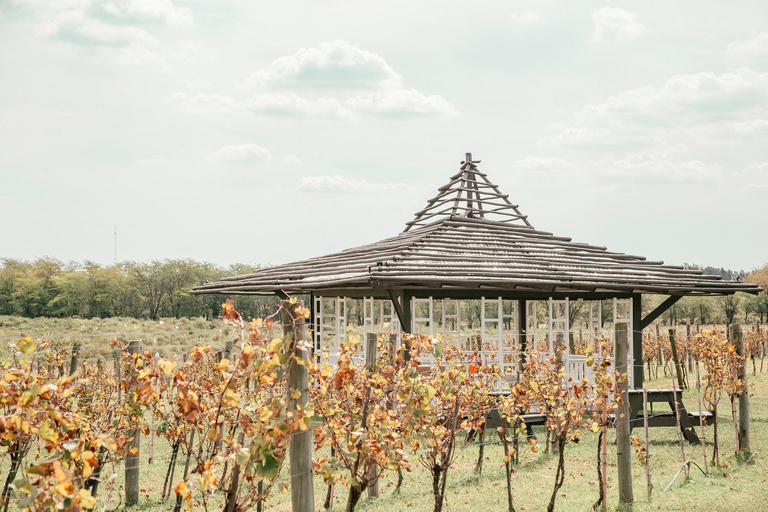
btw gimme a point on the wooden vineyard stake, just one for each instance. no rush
(701, 418)
(743, 434)
(370, 363)
(675, 360)
(623, 450)
(647, 443)
(132, 453)
(677, 421)
(300, 449)
(75, 357)
(177, 505)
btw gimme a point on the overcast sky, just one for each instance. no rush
(264, 132)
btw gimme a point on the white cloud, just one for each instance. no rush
(76, 28)
(752, 128)
(246, 154)
(534, 163)
(200, 103)
(122, 30)
(339, 184)
(332, 64)
(704, 94)
(751, 48)
(292, 161)
(732, 104)
(402, 103)
(756, 188)
(524, 18)
(599, 137)
(613, 23)
(339, 78)
(293, 105)
(143, 11)
(641, 168)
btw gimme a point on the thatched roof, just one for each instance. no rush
(470, 237)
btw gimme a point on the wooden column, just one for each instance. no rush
(300, 448)
(132, 460)
(370, 363)
(744, 397)
(637, 341)
(522, 320)
(623, 448)
(401, 301)
(312, 323)
(405, 301)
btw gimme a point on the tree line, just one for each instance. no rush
(159, 289)
(156, 289)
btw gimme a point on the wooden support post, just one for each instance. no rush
(75, 358)
(132, 459)
(623, 448)
(637, 341)
(228, 350)
(675, 359)
(300, 449)
(370, 363)
(521, 335)
(401, 302)
(744, 397)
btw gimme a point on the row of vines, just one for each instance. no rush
(230, 419)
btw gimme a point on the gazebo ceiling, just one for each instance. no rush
(470, 236)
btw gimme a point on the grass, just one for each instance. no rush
(170, 337)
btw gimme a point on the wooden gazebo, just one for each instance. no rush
(471, 243)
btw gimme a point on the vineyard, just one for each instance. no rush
(209, 428)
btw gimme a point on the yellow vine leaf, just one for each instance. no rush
(86, 499)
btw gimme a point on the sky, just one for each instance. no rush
(266, 132)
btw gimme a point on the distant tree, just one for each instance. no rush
(730, 307)
(148, 279)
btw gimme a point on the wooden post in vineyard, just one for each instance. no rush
(648, 483)
(370, 363)
(675, 360)
(132, 459)
(744, 396)
(688, 344)
(300, 449)
(623, 449)
(75, 357)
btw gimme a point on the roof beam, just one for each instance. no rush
(660, 309)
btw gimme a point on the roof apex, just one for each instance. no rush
(470, 194)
